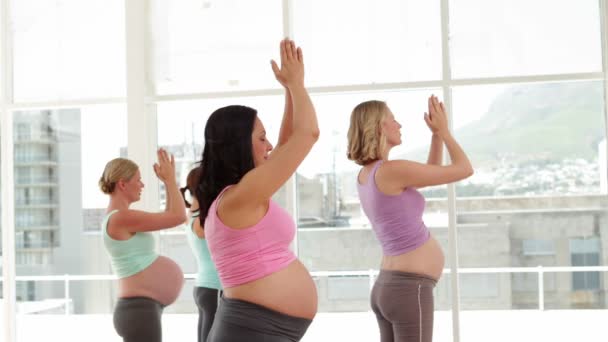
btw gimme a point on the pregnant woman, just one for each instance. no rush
(147, 282)
(412, 262)
(207, 287)
(268, 293)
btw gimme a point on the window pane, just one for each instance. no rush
(1, 251)
(532, 139)
(538, 151)
(515, 38)
(215, 45)
(59, 157)
(68, 49)
(333, 233)
(363, 41)
(585, 252)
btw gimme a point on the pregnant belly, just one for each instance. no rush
(427, 260)
(290, 291)
(162, 281)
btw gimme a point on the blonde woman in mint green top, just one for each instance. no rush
(207, 289)
(147, 282)
(131, 256)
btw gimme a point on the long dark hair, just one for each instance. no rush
(191, 184)
(227, 155)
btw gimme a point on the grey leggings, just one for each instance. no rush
(206, 300)
(137, 319)
(403, 304)
(240, 321)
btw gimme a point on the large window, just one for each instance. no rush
(364, 41)
(508, 38)
(68, 49)
(523, 81)
(210, 46)
(536, 150)
(59, 157)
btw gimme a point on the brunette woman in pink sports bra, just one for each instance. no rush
(268, 293)
(412, 262)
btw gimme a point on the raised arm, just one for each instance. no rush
(287, 121)
(403, 173)
(436, 150)
(175, 209)
(259, 184)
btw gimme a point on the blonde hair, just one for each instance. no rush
(365, 138)
(115, 170)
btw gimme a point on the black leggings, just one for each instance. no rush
(206, 300)
(137, 319)
(240, 321)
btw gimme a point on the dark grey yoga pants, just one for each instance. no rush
(240, 321)
(206, 300)
(138, 319)
(403, 304)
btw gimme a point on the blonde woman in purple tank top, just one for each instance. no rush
(412, 262)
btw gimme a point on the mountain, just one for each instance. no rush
(549, 121)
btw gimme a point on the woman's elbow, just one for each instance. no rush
(316, 133)
(178, 218)
(470, 171)
(465, 172)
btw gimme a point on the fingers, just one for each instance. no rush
(427, 119)
(164, 158)
(294, 50)
(435, 106)
(162, 155)
(156, 168)
(275, 68)
(291, 69)
(434, 103)
(289, 49)
(283, 50)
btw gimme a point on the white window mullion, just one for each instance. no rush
(141, 118)
(9, 307)
(43, 105)
(375, 87)
(451, 190)
(604, 35)
(291, 185)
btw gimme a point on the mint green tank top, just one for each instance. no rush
(206, 272)
(131, 256)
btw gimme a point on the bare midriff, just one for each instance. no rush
(290, 291)
(161, 281)
(427, 260)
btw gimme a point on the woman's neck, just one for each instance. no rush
(118, 203)
(384, 153)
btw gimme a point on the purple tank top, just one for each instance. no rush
(396, 219)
